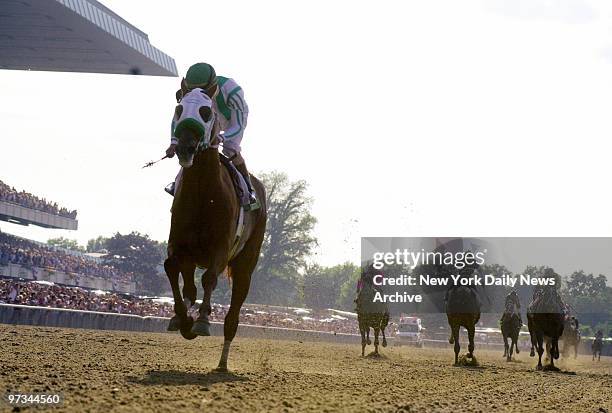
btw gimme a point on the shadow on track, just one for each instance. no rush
(179, 378)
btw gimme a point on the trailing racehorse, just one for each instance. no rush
(597, 346)
(209, 229)
(462, 310)
(371, 314)
(571, 336)
(510, 328)
(545, 321)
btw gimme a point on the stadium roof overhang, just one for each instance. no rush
(75, 36)
(17, 214)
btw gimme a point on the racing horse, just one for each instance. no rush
(510, 328)
(208, 229)
(571, 336)
(597, 346)
(545, 321)
(462, 310)
(373, 315)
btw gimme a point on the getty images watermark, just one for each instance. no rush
(415, 274)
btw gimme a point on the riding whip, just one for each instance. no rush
(153, 162)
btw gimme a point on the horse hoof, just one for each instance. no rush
(369, 342)
(174, 324)
(186, 326)
(451, 340)
(508, 359)
(201, 328)
(221, 369)
(517, 351)
(532, 353)
(384, 343)
(539, 367)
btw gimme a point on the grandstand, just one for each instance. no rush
(24, 208)
(68, 36)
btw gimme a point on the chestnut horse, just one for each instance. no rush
(205, 231)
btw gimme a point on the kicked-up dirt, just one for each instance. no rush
(126, 372)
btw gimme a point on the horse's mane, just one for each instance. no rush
(546, 300)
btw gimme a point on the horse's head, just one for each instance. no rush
(194, 120)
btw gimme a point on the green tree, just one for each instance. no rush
(69, 244)
(97, 244)
(137, 253)
(323, 286)
(581, 284)
(287, 243)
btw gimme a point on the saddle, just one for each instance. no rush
(240, 185)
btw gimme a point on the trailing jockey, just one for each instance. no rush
(512, 305)
(232, 113)
(367, 278)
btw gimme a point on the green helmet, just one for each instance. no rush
(200, 75)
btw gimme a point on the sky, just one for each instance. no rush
(421, 118)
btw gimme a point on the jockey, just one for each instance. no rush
(512, 303)
(367, 277)
(232, 113)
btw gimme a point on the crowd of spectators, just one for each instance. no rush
(289, 319)
(32, 255)
(26, 199)
(45, 294)
(51, 295)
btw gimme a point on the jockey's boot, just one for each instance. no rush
(253, 202)
(170, 188)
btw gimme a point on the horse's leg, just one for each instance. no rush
(201, 326)
(368, 335)
(376, 331)
(555, 348)
(516, 340)
(471, 332)
(455, 335)
(189, 288)
(363, 338)
(240, 269)
(540, 347)
(554, 353)
(384, 341)
(171, 266)
(240, 288)
(505, 344)
(532, 336)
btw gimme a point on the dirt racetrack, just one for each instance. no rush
(119, 371)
